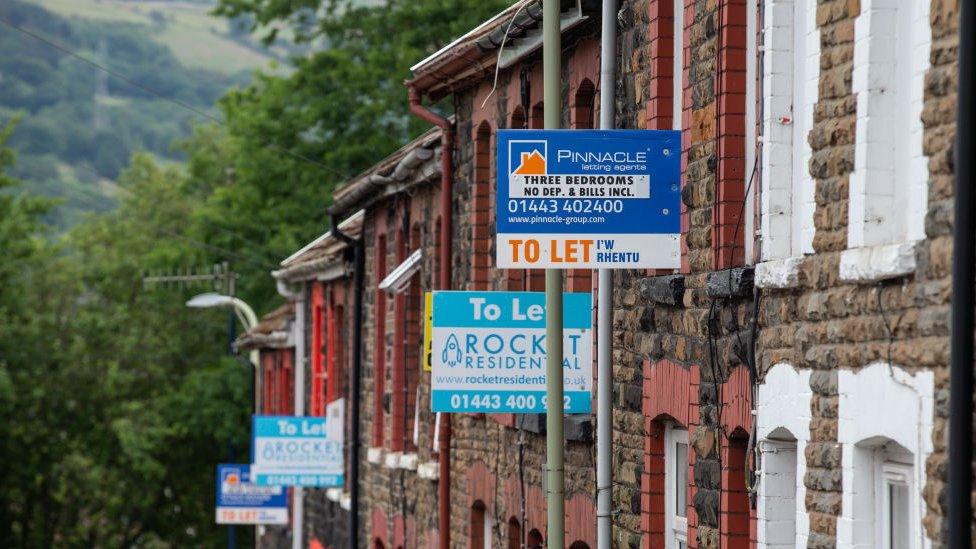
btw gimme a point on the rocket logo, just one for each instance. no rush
(527, 157)
(451, 355)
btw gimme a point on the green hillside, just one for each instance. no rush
(78, 125)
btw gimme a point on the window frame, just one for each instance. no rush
(889, 473)
(675, 526)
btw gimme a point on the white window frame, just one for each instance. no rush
(791, 74)
(783, 404)
(678, 66)
(900, 432)
(675, 527)
(890, 473)
(889, 184)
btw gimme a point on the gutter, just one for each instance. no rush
(959, 503)
(444, 283)
(354, 389)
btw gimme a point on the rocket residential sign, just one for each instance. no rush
(241, 502)
(587, 199)
(489, 352)
(299, 451)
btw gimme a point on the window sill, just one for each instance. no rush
(334, 494)
(408, 461)
(374, 455)
(779, 274)
(874, 263)
(392, 460)
(428, 470)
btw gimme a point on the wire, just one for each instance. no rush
(182, 104)
(499, 58)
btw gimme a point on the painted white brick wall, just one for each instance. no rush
(783, 413)
(876, 404)
(888, 188)
(791, 72)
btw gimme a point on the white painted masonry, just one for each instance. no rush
(790, 79)
(885, 421)
(888, 187)
(783, 430)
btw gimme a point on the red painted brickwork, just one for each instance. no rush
(728, 239)
(670, 394)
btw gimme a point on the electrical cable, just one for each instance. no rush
(182, 104)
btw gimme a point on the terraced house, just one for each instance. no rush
(786, 387)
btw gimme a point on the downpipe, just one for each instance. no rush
(358, 258)
(444, 283)
(960, 487)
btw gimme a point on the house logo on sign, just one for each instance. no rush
(452, 351)
(527, 157)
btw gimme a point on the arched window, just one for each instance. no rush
(518, 118)
(534, 539)
(514, 533)
(477, 528)
(583, 106)
(734, 517)
(579, 545)
(537, 121)
(776, 505)
(377, 544)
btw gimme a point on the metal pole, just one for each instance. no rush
(604, 366)
(298, 503)
(555, 499)
(960, 506)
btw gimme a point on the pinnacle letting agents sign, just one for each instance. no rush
(588, 199)
(239, 501)
(489, 352)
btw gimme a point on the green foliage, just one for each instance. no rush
(118, 401)
(89, 120)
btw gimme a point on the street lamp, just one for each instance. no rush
(210, 299)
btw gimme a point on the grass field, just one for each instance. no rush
(195, 37)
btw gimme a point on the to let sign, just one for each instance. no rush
(299, 451)
(489, 352)
(587, 199)
(239, 501)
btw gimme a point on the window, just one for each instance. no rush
(888, 187)
(777, 491)
(675, 487)
(884, 450)
(790, 79)
(514, 534)
(379, 338)
(319, 349)
(895, 510)
(884, 495)
(478, 531)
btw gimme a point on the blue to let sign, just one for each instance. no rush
(588, 199)
(239, 501)
(489, 352)
(299, 451)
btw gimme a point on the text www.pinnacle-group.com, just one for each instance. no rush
(568, 220)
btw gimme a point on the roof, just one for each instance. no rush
(322, 258)
(271, 331)
(415, 163)
(475, 54)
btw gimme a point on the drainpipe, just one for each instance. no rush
(298, 498)
(963, 273)
(357, 357)
(444, 433)
(604, 366)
